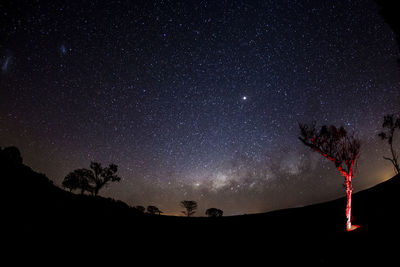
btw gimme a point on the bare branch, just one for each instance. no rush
(334, 144)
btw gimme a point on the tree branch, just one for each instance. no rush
(391, 160)
(319, 150)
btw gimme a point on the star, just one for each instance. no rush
(198, 102)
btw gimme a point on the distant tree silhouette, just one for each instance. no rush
(140, 208)
(391, 123)
(10, 156)
(153, 210)
(340, 148)
(214, 212)
(103, 176)
(78, 180)
(190, 207)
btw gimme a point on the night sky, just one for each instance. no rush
(197, 100)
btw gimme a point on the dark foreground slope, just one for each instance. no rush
(42, 218)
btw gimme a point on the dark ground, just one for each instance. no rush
(44, 222)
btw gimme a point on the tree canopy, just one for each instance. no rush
(190, 207)
(153, 210)
(78, 180)
(214, 212)
(91, 180)
(334, 144)
(102, 176)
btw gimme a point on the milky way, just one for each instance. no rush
(197, 100)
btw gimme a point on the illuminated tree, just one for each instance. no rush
(391, 123)
(190, 207)
(340, 148)
(214, 212)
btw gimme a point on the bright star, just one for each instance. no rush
(244, 97)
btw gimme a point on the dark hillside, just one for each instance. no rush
(34, 206)
(39, 214)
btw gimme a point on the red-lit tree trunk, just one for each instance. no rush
(349, 191)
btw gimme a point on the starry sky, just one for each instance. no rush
(197, 100)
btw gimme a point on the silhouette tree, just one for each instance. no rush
(340, 148)
(391, 123)
(11, 156)
(91, 180)
(140, 208)
(103, 176)
(153, 210)
(78, 179)
(214, 212)
(190, 207)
